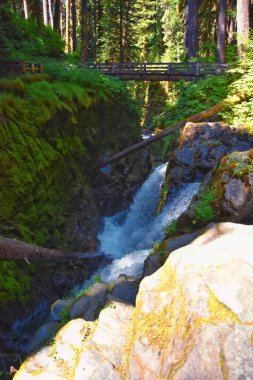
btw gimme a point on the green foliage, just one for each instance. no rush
(14, 282)
(97, 278)
(168, 143)
(188, 98)
(241, 114)
(65, 315)
(171, 229)
(159, 248)
(173, 29)
(203, 209)
(15, 86)
(21, 40)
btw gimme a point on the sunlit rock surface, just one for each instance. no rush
(193, 320)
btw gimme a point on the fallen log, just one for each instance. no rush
(212, 111)
(11, 249)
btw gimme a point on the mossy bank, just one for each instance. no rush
(54, 129)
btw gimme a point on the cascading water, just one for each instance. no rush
(129, 236)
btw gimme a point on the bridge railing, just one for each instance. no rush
(26, 67)
(130, 68)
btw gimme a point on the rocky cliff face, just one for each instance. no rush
(193, 320)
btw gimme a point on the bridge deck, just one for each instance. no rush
(159, 71)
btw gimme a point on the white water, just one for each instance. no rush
(129, 236)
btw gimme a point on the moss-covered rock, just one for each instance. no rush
(225, 195)
(200, 148)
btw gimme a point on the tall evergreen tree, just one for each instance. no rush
(221, 41)
(84, 30)
(173, 30)
(25, 5)
(118, 36)
(147, 28)
(45, 11)
(191, 29)
(73, 13)
(57, 16)
(242, 26)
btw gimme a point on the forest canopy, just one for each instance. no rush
(124, 31)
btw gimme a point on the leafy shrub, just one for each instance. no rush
(65, 316)
(203, 209)
(15, 86)
(189, 98)
(21, 40)
(171, 229)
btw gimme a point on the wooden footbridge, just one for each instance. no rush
(159, 71)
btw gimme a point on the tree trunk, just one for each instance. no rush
(50, 11)
(230, 22)
(94, 32)
(45, 18)
(37, 13)
(11, 249)
(57, 16)
(242, 26)
(191, 29)
(84, 30)
(73, 12)
(121, 48)
(221, 41)
(67, 27)
(99, 24)
(25, 5)
(225, 104)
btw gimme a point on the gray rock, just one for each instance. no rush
(85, 307)
(152, 264)
(236, 193)
(98, 291)
(126, 289)
(185, 156)
(88, 305)
(43, 334)
(57, 307)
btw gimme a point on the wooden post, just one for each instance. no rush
(23, 67)
(169, 68)
(197, 68)
(32, 68)
(40, 68)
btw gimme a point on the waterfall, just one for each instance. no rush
(128, 237)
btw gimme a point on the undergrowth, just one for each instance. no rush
(204, 209)
(52, 131)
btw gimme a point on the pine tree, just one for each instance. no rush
(191, 29)
(221, 31)
(173, 30)
(118, 38)
(149, 29)
(242, 26)
(84, 30)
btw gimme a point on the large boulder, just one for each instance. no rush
(201, 147)
(193, 320)
(225, 194)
